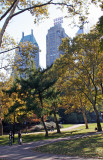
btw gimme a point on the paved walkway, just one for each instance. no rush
(25, 152)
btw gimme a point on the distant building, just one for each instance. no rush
(31, 38)
(53, 41)
(80, 30)
(23, 64)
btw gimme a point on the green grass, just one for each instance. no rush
(91, 128)
(4, 140)
(83, 147)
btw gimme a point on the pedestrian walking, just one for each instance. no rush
(10, 138)
(52, 128)
(19, 137)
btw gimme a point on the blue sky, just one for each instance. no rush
(25, 22)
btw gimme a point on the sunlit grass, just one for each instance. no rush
(83, 147)
(82, 129)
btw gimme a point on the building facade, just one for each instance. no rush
(53, 41)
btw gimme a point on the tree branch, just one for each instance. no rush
(9, 50)
(29, 8)
(48, 3)
(8, 10)
(5, 67)
(7, 21)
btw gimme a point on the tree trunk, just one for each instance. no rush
(85, 118)
(45, 128)
(7, 22)
(99, 128)
(42, 119)
(14, 129)
(57, 124)
(1, 127)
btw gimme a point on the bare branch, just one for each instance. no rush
(6, 67)
(9, 50)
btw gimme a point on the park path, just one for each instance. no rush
(72, 127)
(25, 152)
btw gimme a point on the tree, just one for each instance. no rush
(72, 100)
(100, 29)
(6, 57)
(11, 8)
(5, 101)
(77, 102)
(24, 59)
(53, 101)
(17, 111)
(83, 59)
(33, 90)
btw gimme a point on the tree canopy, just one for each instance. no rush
(82, 68)
(39, 9)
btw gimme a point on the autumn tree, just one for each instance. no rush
(2, 109)
(24, 59)
(39, 9)
(73, 100)
(5, 101)
(83, 59)
(6, 55)
(100, 29)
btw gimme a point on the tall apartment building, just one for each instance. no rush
(53, 41)
(25, 63)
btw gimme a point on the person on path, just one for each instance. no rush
(10, 138)
(52, 128)
(19, 138)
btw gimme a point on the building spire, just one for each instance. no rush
(31, 31)
(22, 34)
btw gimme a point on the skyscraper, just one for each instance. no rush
(80, 30)
(31, 38)
(22, 61)
(53, 41)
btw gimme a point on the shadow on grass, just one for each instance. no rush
(83, 147)
(4, 140)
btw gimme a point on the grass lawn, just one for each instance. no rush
(4, 140)
(83, 147)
